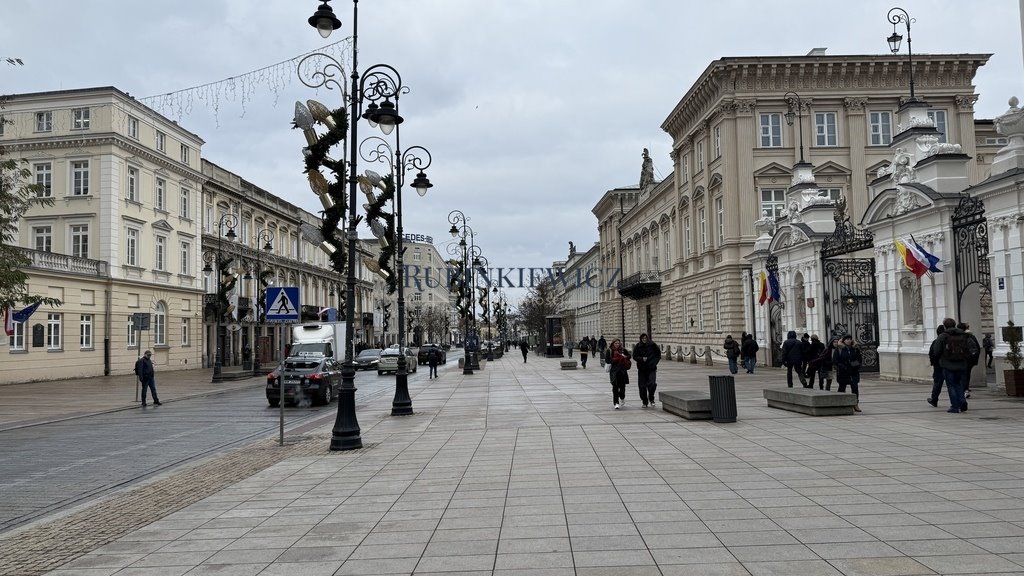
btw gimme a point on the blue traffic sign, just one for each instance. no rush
(282, 304)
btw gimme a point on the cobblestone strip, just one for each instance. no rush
(42, 548)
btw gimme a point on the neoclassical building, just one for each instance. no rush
(121, 238)
(684, 243)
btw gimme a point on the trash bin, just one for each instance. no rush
(723, 398)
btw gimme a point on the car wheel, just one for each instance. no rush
(380, 372)
(327, 395)
(275, 403)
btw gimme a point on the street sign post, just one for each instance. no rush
(140, 321)
(282, 305)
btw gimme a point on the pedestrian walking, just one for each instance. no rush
(792, 357)
(584, 352)
(732, 352)
(647, 355)
(748, 349)
(824, 365)
(568, 345)
(934, 353)
(847, 359)
(525, 348)
(974, 358)
(805, 353)
(619, 363)
(602, 347)
(988, 344)
(433, 358)
(812, 361)
(147, 375)
(953, 350)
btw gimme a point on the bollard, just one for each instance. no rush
(723, 398)
(668, 353)
(693, 354)
(707, 356)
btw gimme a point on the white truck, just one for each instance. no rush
(319, 339)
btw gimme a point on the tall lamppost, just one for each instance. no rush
(480, 263)
(400, 162)
(461, 229)
(895, 16)
(266, 236)
(793, 100)
(217, 257)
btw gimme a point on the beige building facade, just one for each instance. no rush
(684, 243)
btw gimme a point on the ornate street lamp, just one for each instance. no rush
(460, 228)
(217, 257)
(266, 236)
(793, 100)
(895, 16)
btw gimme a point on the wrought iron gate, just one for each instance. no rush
(970, 247)
(850, 303)
(775, 310)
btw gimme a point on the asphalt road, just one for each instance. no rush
(50, 467)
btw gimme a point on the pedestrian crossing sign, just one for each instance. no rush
(282, 304)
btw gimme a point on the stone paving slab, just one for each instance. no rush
(525, 469)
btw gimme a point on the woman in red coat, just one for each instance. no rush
(619, 373)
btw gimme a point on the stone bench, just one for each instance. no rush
(810, 401)
(568, 364)
(689, 404)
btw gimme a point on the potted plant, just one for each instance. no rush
(1013, 378)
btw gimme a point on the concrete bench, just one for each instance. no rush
(568, 364)
(810, 401)
(689, 404)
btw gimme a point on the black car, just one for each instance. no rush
(421, 356)
(368, 359)
(312, 379)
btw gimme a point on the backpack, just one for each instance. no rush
(955, 349)
(138, 363)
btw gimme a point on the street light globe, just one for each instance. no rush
(324, 20)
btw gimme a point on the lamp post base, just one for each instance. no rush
(345, 434)
(217, 377)
(402, 404)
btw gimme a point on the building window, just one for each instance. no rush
(80, 178)
(184, 203)
(53, 332)
(80, 118)
(702, 222)
(700, 312)
(80, 240)
(131, 248)
(3, 123)
(939, 118)
(834, 194)
(686, 167)
(184, 154)
(133, 127)
(881, 128)
(160, 194)
(132, 333)
(184, 331)
(44, 179)
(825, 129)
(85, 332)
(771, 130)
(773, 202)
(18, 337)
(686, 237)
(718, 310)
(720, 217)
(161, 141)
(700, 156)
(44, 121)
(718, 141)
(416, 256)
(209, 219)
(668, 248)
(186, 256)
(42, 238)
(654, 254)
(133, 184)
(160, 324)
(161, 253)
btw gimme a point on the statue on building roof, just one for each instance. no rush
(646, 172)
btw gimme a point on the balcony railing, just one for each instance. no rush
(641, 285)
(64, 263)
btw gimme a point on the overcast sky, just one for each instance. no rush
(532, 109)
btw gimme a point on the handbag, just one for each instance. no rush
(607, 367)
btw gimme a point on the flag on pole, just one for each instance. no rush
(774, 292)
(931, 259)
(911, 260)
(764, 290)
(25, 313)
(9, 321)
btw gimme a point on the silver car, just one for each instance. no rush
(389, 360)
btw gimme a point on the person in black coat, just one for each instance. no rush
(647, 355)
(792, 358)
(147, 375)
(748, 349)
(812, 361)
(525, 348)
(847, 359)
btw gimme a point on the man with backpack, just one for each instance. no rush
(973, 360)
(433, 358)
(954, 349)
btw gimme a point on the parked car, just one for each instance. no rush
(389, 360)
(368, 359)
(315, 379)
(421, 356)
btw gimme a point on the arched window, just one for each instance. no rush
(160, 324)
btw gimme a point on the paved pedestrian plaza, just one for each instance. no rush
(525, 469)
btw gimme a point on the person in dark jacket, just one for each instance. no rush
(647, 355)
(988, 344)
(847, 359)
(433, 358)
(584, 347)
(975, 358)
(147, 375)
(805, 353)
(732, 352)
(792, 357)
(748, 349)
(525, 348)
(812, 361)
(937, 377)
(952, 348)
(825, 366)
(621, 362)
(602, 349)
